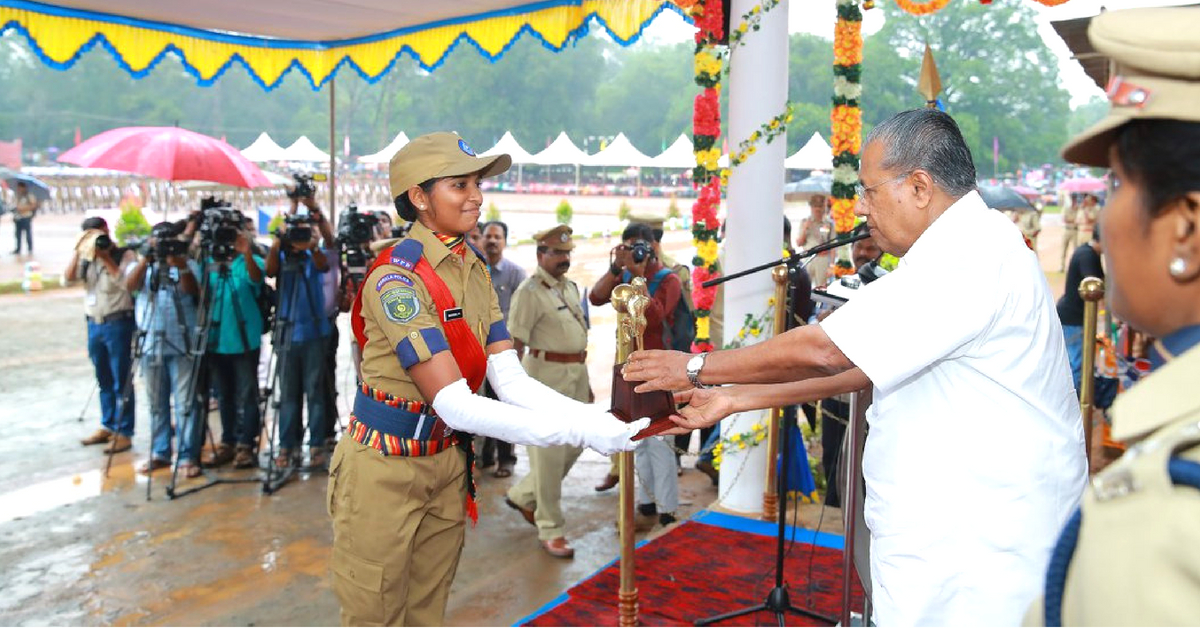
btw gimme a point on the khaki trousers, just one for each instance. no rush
(541, 488)
(398, 527)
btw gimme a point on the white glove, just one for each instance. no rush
(513, 385)
(463, 410)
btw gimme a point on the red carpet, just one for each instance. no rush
(699, 570)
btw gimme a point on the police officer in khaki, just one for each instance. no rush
(547, 325)
(430, 329)
(1131, 556)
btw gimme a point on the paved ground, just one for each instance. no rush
(82, 548)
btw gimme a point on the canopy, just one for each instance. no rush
(304, 150)
(264, 149)
(621, 153)
(385, 154)
(678, 155)
(561, 151)
(316, 37)
(508, 146)
(814, 155)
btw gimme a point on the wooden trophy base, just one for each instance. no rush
(630, 406)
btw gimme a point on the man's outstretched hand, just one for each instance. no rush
(658, 370)
(705, 407)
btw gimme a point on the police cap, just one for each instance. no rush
(1157, 73)
(557, 238)
(439, 155)
(650, 219)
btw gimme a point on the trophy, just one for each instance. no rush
(630, 301)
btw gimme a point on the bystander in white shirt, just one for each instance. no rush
(975, 455)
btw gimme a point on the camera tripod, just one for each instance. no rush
(199, 378)
(282, 359)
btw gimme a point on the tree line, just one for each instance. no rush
(1000, 81)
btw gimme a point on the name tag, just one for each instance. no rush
(452, 314)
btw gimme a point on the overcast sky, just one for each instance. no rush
(819, 16)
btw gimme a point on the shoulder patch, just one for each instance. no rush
(389, 278)
(400, 304)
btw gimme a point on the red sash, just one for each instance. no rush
(464, 345)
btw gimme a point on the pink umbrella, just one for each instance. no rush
(1026, 191)
(1083, 185)
(167, 153)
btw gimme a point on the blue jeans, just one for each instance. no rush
(236, 378)
(24, 225)
(1073, 334)
(714, 436)
(110, 347)
(302, 376)
(166, 379)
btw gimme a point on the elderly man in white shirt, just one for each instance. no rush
(975, 455)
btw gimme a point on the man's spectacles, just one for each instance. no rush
(862, 191)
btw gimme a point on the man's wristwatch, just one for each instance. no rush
(693, 369)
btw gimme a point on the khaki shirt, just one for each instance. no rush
(685, 277)
(546, 314)
(402, 326)
(27, 206)
(1137, 560)
(105, 294)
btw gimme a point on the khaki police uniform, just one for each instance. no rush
(1136, 559)
(547, 317)
(680, 270)
(398, 504)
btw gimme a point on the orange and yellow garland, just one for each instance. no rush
(846, 135)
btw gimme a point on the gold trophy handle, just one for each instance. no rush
(1091, 290)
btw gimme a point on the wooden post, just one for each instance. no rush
(771, 490)
(1091, 290)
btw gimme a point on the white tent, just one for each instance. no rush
(508, 145)
(678, 155)
(620, 153)
(304, 150)
(263, 149)
(561, 151)
(814, 155)
(385, 154)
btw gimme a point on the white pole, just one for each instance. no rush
(758, 83)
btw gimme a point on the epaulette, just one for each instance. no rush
(407, 253)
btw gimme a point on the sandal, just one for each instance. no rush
(152, 465)
(284, 459)
(245, 458)
(503, 471)
(189, 469)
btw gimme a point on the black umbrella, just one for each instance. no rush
(1004, 197)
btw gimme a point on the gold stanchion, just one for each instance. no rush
(1091, 290)
(630, 302)
(770, 493)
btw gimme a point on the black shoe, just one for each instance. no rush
(666, 519)
(647, 510)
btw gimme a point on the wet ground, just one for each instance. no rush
(82, 547)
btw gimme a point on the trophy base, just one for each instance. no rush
(630, 406)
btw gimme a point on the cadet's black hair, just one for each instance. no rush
(1163, 157)
(95, 222)
(404, 205)
(638, 230)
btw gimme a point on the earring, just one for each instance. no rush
(1177, 267)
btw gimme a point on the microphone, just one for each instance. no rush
(860, 232)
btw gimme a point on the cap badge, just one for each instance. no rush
(1122, 93)
(563, 237)
(462, 145)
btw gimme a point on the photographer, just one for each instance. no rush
(301, 267)
(654, 457)
(108, 307)
(234, 341)
(166, 315)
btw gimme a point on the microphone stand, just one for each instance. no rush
(777, 601)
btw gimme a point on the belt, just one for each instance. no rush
(566, 358)
(115, 316)
(396, 431)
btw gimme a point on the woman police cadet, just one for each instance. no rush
(430, 329)
(1131, 555)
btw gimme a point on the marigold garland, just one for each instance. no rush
(707, 176)
(846, 117)
(924, 8)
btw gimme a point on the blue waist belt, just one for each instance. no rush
(398, 422)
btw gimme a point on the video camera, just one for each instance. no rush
(304, 185)
(219, 227)
(166, 242)
(297, 227)
(355, 229)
